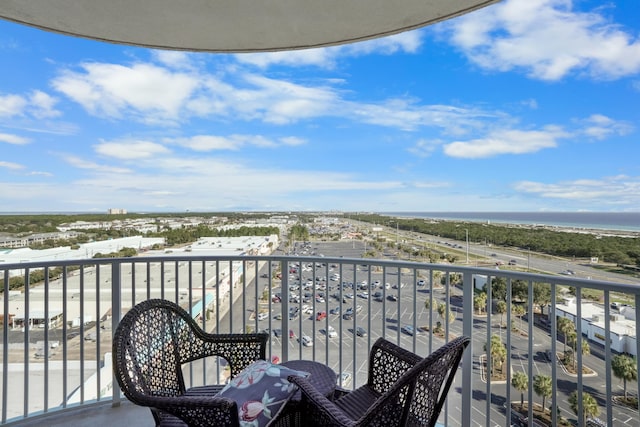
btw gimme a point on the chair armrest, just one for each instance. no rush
(387, 363)
(197, 411)
(339, 392)
(240, 350)
(317, 407)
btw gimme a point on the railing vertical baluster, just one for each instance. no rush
(509, 298)
(578, 353)
(116, 314)
(467, 361)
(487, 353)
(554, 354)
(607, 357)
(82, 316)
(5, 344)
(45, 402)
(65, 353)
(637, 353)
(26, 325)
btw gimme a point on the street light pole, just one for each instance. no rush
(467, 234)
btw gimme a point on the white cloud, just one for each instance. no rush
(130, 149)
(322, 57)
(12, 105)
(173, 58)
(546, 39)
(614, 190)
(425, 147)
(149, 92)
(232, 142)
(13, 139)
(93, 166)
(42, 105)
(10, 165)
(292, 141)
(40, 173)
(409, 42)
(598, 126)
(282, 102)
(505, 142)
(206, 143)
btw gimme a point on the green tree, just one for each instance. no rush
(624, 368)
(542, 387)
(480, 302)
(499, 288)
(444, 315)
(541, 295)
(590, 408)
(565, 327)
(501, 308)
(497, 353)
(519, 310)
(573, 339)
(520, 382)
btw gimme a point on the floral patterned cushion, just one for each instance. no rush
(261, 390)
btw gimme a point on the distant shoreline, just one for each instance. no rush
(602, 223)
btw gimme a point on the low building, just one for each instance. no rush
(622, 330)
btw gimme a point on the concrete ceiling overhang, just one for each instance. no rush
(233, 25)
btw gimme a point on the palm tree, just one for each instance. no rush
(479, 302)
(590, 408)
(565, 326)
(519, 310)
(574, 343)
(444, 315)
(520, 382)
(624, 368)
(497, 352)
(543, 387)
(501, 308)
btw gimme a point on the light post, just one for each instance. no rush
(467, 235)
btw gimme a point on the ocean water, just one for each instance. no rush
(623, 221)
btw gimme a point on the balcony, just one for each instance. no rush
(57, 337)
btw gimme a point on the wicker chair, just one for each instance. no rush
(403, 389)
(152, 342)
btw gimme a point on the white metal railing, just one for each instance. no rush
(57, 336)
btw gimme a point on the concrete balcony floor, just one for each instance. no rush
(127, 414)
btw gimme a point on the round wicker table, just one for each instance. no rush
(322, 377)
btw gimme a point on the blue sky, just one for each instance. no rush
(526, 105)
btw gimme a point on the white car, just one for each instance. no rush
(262, 316)
(331, 332)
(306, 341)
(345, 379)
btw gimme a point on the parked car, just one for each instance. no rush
(335, 310)
(408, 329)
(321, 315)
(345, 379)
(306, 341)
(331, 332)
(392, 298)
(263, 315)
(361, 332)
